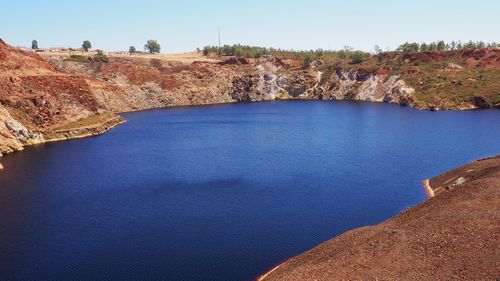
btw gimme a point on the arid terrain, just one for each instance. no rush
(56, 96)
(53, 96)
(452, 236)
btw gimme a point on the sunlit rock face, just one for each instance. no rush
(41, 93)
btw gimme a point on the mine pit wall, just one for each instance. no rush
(69, 91)
(348, 86)
(42, 93)
(14, 135)
(127, 85)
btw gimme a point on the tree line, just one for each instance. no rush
(153, 47)
(257, 52)
(442, 46)
(308, 56)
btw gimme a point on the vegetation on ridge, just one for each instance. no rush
(355, 56)
(152, 46)
(448, 79)
(256, 52)
(99, 57)
(86, 46)
(443, 46)
(77, 58)
(308, 56)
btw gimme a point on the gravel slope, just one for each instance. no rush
(452, 236)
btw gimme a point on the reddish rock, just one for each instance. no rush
(236, 60)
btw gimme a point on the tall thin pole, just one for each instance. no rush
(218, 31)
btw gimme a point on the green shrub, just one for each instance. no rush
(101, 57)
(380, 57)
(307, 60)
(78, 58)
(206, 51)
(357, 56)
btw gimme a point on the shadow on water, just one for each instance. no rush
(222, 192)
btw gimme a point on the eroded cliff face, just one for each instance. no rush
(142, 83)
(137, 83)
(36, 99)
(309, 84)
(41, 94)
(13, 134)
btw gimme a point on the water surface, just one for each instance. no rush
(222, 192)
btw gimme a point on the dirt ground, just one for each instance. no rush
(188, 57)
(452, 236)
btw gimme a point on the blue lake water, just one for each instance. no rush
(222, 192)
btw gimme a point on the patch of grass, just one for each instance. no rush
(455, 87)
(434, 81)
(90, 121)
(100, 57)
(78, 58)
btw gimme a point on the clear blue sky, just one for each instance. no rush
(299, 24)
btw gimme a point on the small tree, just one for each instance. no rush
(441, 46)
(206, 50)
(152, 46)
(432, 46)
(357, 57)
(377, 50)
(424, 47)
(470, 45)
(319, 53)
(86, 45)
(453, 45)
(131, 49)
(307, 60)
(34, 44)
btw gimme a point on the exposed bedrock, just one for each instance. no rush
(39, 94)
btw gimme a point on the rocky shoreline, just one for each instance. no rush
(451, 236)
(49, 97)
(88, 131)
(40, 93)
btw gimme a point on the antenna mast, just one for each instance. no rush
(218, 31)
